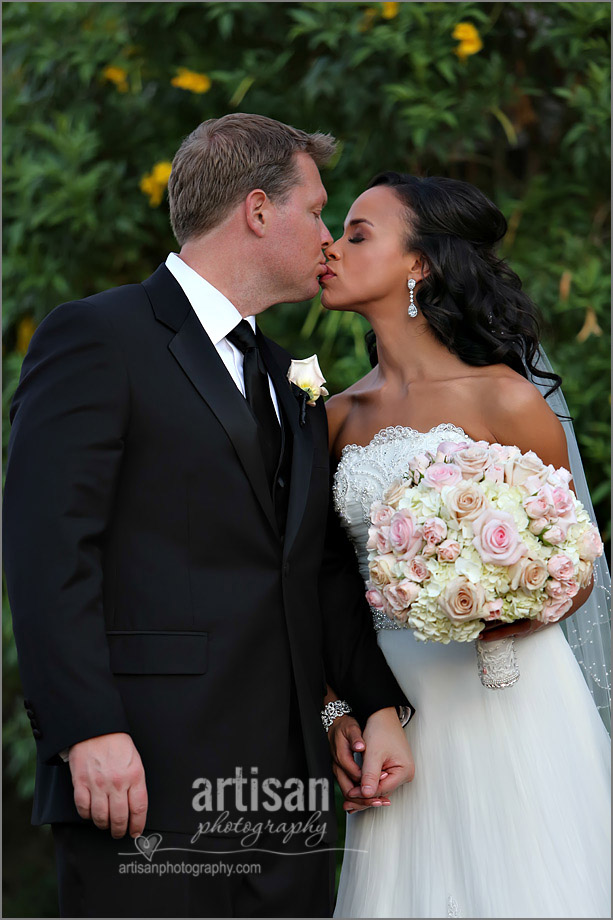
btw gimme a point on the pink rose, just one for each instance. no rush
(553, 610)
(572, 587)
(417, 569)
(495, 473)
(473, 461)
(449, 447)
(401, 530)
(435, 530)
(496, 538)
(375, 598)
(448, 551)
(402, 595)
(560, 477)
(528, 574)
(418, 466)
(538, 526)
(380, 514)
(554, 535)
(541, 504)
(429, 550)
(466, 502)
(564, 504)
(555, 589)
(561, 567)
(442, 474)
(590, 545)
(461, 600)
(492, 609)
(503, 452)
(372, 538)
(382, 540)
(417, 541)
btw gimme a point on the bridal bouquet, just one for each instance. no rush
(477, 532)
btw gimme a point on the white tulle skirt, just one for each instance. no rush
(509, 811)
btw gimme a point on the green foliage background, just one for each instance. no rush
(526, 118)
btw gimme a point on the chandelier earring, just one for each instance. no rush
(412, 311)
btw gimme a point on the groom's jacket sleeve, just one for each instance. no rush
(69, 416)
(356, 668)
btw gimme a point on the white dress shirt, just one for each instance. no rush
(218, 316)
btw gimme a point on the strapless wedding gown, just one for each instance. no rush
(509, 811)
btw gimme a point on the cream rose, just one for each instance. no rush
(466, 502)
(496, 538)
(395, 492)
(538, 526)
(528, 574)
(461, 600)
(518, 469)
(495, 473)
(554, 535)
(473, 461)
(382, 570)
(585, 570)
(493, 609)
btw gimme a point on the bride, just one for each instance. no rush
(508, 814)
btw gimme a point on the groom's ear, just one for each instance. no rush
(257, 204)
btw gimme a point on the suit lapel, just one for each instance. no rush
(302, 451)
(198, 357)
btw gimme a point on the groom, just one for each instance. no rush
(181, 590)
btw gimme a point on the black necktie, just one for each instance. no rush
(257, 392)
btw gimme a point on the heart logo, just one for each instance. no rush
(148, 845)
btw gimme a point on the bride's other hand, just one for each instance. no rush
(387, 751)
(345, 737)
(495, 630)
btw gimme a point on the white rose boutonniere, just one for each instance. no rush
(307, 375)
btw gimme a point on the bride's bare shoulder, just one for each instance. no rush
(519, 414)
(340, 407)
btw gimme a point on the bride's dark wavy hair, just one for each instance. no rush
(471, 299)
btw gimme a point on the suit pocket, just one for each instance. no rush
(133, 652)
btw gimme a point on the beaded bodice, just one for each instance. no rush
(365, 473)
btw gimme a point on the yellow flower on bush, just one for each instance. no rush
(390, 10)
(25, 331)
(189, 79)
(118, 76)
(154, 183)
(469, 38)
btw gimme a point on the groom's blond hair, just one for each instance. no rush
(224, 159)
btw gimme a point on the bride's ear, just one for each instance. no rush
(419, 267)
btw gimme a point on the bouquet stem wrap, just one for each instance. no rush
(496, 663)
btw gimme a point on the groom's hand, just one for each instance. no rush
(387, 751)
(109, 783)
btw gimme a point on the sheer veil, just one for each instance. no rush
(589, 630)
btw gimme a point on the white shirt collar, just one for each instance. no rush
(216, 313)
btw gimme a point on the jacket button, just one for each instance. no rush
(286, 569)
(27, 704)
(30, 714)
(36, 732)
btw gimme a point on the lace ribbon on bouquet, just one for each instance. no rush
(496, 663)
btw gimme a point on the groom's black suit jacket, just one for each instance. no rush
(150, 588)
